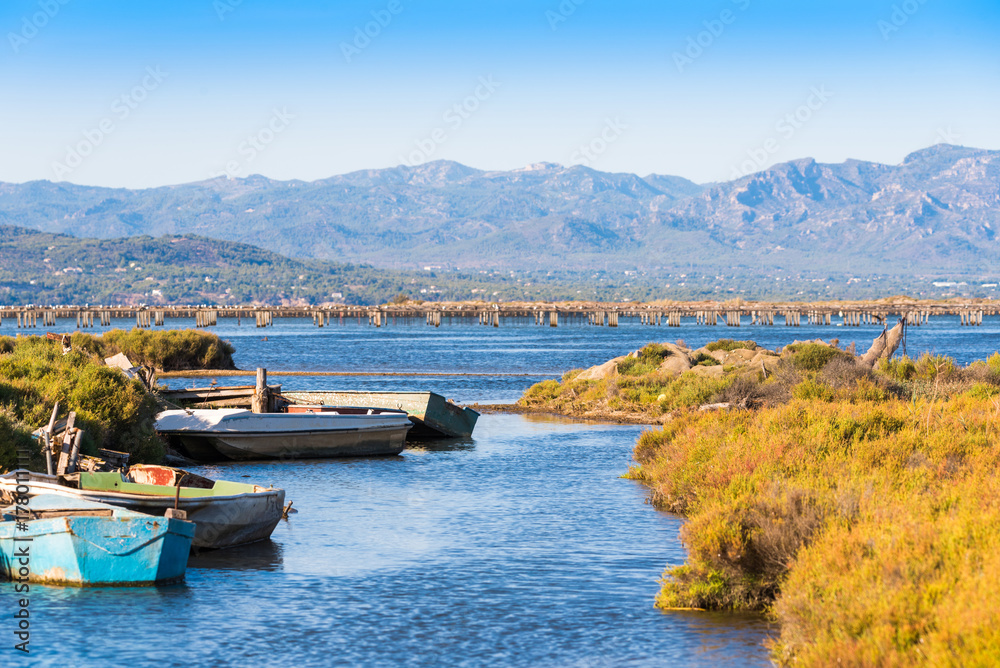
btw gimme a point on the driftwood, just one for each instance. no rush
(883, 346)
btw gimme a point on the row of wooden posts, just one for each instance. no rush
(492, 317)
(84, 319)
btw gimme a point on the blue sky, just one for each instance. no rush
(143, 94)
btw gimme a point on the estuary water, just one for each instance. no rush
(520, 546)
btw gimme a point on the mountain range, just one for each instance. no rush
(935, 213)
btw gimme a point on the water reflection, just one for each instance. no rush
(264, 555)
(441, 444)
(722, 634)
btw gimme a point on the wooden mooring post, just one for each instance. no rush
(261, 400)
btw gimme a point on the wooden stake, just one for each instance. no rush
(260, 402)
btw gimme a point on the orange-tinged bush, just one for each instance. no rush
(869, 527)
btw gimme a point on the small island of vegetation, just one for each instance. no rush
(856, 505)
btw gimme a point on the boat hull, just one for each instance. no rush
(300, 445)
(97, 551)
(221, 521)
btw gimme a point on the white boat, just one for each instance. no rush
(225, 513)
(219, 434)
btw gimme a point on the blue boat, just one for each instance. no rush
(71, 541)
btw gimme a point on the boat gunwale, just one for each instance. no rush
(73, 491)
(303, 432)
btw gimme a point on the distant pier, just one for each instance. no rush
(849, 314)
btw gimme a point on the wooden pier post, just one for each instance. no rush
(261, 400)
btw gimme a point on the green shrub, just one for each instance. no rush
(547, 390)
(730, 345)
(935, 367)
(634, 366)
(899, 368)
(813, 356)
(646, 361)
(810, 389)
(654, 353)
(115, 412)
(983, 391)
(14, 436)
(993, 362)
(166, 350)
(569, 376)
(701, 359)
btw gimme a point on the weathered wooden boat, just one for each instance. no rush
(60, 539)
(432, 415)
(225, 513)
(219, 434)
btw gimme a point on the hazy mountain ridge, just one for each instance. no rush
(940, 204)
(938, 210)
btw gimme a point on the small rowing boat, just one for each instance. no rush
(59, 539)
(219, 434)
(225, 513)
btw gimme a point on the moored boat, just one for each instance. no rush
(219, 434)
(59, 539)
(433, 415)
(225, 513)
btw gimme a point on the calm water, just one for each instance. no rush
(521, 546)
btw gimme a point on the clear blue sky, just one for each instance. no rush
(625, 77)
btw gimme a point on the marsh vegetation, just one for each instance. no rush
(858, 507)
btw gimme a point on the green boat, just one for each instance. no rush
(432, 415)
(225, 513)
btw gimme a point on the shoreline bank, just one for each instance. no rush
(854, 505)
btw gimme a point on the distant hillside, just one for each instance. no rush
(43, 268)
(936, 214)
